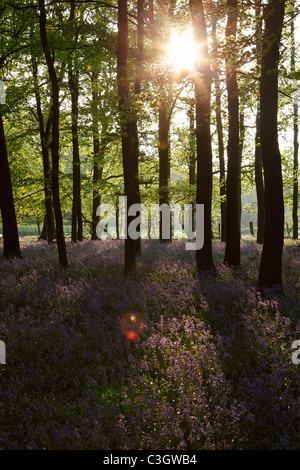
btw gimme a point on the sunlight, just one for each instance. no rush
(182, 50)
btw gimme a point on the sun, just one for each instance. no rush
(182, 50)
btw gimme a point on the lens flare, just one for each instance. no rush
(131, 324)
(182, 50)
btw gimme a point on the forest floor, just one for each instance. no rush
(211, 368)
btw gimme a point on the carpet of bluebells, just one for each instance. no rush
(211, 369)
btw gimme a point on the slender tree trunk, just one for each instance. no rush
(220, 133)
(126, 129)
(76, 232)
(163, 152)
(222, 178)
(259, 177)
(76, 206)
(192, 159)
(296, 143)
(11, 245)
(49, 226)
(204, 257)
(259, 184)
(97, 168)
(270, 272)
(62, 253)
(137, 91)
(233, 186)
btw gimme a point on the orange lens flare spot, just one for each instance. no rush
(163, 145)
(131, 324)
(131, 335)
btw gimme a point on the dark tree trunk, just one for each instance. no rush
(49, 226)
(296, 144)
(233, 185)
(163, 152)
(43, 235)
(270, 272)
(137, 91)
(222, 178)
(62, 253)
(97, 167)
(76, 206)
(259, 177)
(76, 232)
(11, 244)
(192, 159)
(259, 184)
(204, 256)
(126, 130)
(220, 132)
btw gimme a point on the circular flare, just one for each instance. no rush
(131, 324)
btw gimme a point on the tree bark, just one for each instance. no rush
(270, 272)
(163, 152)
(97, 167)
(137, 91)
(192, 159)
(11, 244)
(296, 144)
(233, 185)
(219, 125)
(203, 76)
(258, 163)
(126, 130)
(76, 234)
(49, 226)
(62, 253)
(259, 184)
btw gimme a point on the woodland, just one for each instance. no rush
(115, 341)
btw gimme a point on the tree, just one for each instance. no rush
(259, 184)
(296, 133)
(126, 130)
(270, 271)
(258, 163)
(233, 184)
(48, 231)
(11, 247)
(203, 76)
(62, 253)
(220, 131)
(137, 91)
(73, 75)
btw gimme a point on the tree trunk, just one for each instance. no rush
(11, 244)
(204, 256)
(163, 152)
(76, 232)
(137, 91)
(126, 130)
(259, 184)
(296, 144)
(259, 177)
(49, 226)
(97, 167)
(76, 206)
(192, 159)
(233, 186)
(219, 125)
(62, 253)
(270, 272)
